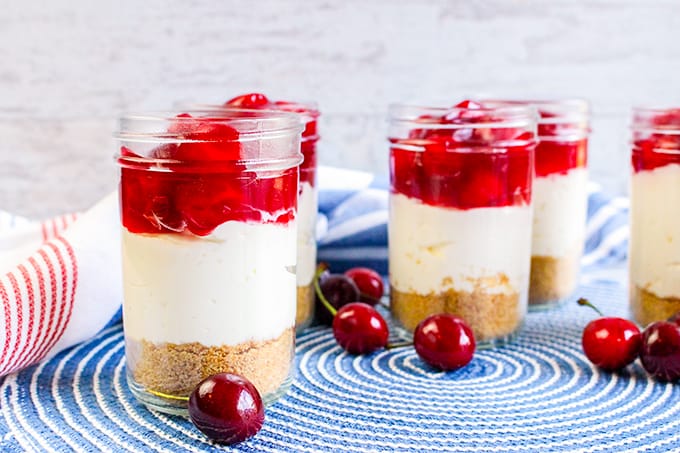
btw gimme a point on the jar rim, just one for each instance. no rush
(309, 111)
(656, 120)
(554, 111)
(510, 116)
(252, 124)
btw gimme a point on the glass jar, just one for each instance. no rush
(560, 198)
(460, 215)
(308, 204)
(654, 255)
(208, 211)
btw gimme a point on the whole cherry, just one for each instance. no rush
(660, 351)
(359, 328)
(369, 283)
(610, 343)
(444, 341)
(227, 408)
(338, 290)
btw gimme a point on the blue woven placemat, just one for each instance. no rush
(539, 393)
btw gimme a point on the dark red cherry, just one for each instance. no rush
(339, 290)
(369, 283)
(660, 351)
(227, 408)
(359, 328)
(444, 341)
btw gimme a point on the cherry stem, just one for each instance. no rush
(399, 345)
(586, 302)
(320, 270)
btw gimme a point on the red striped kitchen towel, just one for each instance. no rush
(60, 282)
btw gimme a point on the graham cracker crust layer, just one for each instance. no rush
(305, 307)
(552, 278)
(490, 316)
(647, 307)
(176, 369)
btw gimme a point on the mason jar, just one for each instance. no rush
(654, 250)
(460, 215)
(209, 231)
(308, 204)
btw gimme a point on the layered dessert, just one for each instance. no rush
(209, 248)
(307, 201)
(560, 198)
(654, 218)
(460, 216)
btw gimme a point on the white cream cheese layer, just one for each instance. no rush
(235, 285)
(435, 249)
(655, 230)
(560, 209)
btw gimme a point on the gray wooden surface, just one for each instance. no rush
(69, 68)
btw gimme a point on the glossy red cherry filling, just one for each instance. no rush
(658, 148)
(464, 168)
(309, 135)
(555, 154)
(206, 187)
(463, 180)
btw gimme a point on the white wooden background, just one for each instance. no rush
(69, 68)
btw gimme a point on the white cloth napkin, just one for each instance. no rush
(60, 282)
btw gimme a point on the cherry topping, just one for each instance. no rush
(359, 328)
(208, 141)
(610, 343)
(250, 100)
(227, 408)
(339, 290)
(455, 169)
(369, 283)
(468, 104)
(660, 351)
(444, 341)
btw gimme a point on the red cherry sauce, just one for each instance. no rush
(206, 187)
(463, 168)
(556, 156)
(309, 134)
(657, 149)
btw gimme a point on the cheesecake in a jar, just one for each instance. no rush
(461, 215)
(654, 250)
(308, 196)
(560, 196)
(209, 232)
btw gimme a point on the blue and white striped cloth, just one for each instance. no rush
(539, 393)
